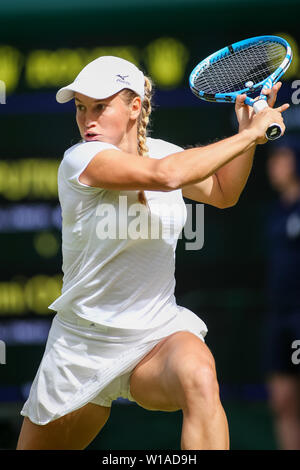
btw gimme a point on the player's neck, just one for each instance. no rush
(129, 147)
(129, 142)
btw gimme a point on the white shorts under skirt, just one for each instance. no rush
(86, 362)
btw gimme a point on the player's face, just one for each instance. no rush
(281, 168)
(107, 120)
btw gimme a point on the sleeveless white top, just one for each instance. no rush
(118, 256)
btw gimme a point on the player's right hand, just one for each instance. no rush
(262, 120)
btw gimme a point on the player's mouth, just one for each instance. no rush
(89, 136)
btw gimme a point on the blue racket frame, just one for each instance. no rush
(264, 84)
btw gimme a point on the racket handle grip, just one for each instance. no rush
(274, 131)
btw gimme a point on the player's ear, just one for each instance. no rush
(135, 107)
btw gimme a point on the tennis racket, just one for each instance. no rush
(250, 66)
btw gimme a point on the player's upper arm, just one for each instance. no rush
(114, 169)
(207, 191)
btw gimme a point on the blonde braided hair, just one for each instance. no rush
(143, 121)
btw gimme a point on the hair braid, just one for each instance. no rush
(142, 128)
(143, 121)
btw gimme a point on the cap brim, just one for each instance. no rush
(64, 94)
(89, 89)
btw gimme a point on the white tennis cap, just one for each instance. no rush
(103, 77)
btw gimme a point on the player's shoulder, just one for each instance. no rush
(78, 156)
(84, 148)
(159, 148)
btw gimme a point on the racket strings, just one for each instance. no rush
(254, 65)
(231, 73)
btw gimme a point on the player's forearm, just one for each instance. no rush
(195, 165)
(233, 176)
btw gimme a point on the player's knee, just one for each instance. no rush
(200, 385)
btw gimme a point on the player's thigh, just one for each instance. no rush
(160, 380)
(73, 431)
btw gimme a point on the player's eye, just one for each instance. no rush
(100, 106)
(80, 107)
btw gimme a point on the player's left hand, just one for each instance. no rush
(245, 113)
(272, 94)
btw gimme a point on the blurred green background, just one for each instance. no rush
(42, 47)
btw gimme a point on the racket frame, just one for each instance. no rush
(230, 97)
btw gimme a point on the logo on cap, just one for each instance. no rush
(122, 76)
(121, 79)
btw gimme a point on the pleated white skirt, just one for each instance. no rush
(82, 360)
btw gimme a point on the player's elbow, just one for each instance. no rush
(168, 179)
(228, 203)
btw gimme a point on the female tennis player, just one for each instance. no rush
(118, 331)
